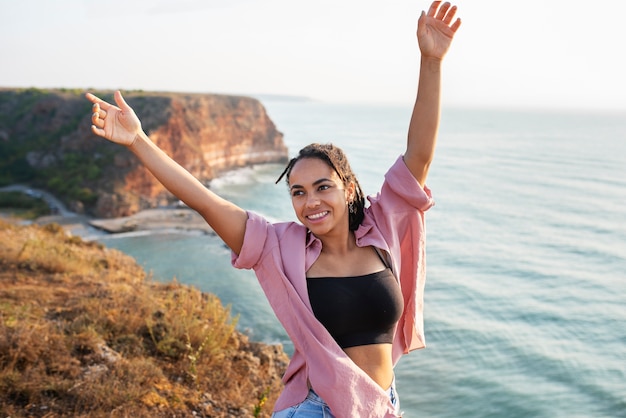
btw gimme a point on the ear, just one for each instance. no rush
(350, 192)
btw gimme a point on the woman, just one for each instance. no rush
(347, 281)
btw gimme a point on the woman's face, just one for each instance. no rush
(319, 197)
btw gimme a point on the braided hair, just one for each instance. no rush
(337, 160)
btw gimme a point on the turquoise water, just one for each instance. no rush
(526, 280)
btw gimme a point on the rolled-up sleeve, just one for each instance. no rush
(405, 187)
(251, 252)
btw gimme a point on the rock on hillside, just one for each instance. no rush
(45, 141)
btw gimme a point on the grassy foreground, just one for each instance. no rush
(84, 333)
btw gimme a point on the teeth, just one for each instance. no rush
(317, 215)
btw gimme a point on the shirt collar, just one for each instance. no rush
(312, 240)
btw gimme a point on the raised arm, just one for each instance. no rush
(435, 31)
(119, 124)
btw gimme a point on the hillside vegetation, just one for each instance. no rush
(84, 333)
(36, 127)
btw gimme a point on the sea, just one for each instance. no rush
(525, 301)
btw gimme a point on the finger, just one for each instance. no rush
(456, 25)
(450, 15)
(119, 100)
(96, 100)
(420, 23)
(97, 121)
(96, 109)
(443, 10)
(97, 131)
(422, 15)
(92, 98)
(433, 8)
(97, 112)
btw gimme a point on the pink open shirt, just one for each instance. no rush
(281, 253)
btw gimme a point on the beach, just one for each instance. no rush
(162, 219)
(159, 219)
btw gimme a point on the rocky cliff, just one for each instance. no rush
(45, 140)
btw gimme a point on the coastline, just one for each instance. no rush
(163, 219)
(157, 220)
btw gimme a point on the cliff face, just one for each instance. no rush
(45, 140)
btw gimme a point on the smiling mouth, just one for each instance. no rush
(317, 215)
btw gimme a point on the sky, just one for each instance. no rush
(523, 54)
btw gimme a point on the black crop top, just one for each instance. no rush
(357, 310)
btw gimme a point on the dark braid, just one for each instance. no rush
(337, 160)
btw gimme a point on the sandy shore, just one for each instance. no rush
(156, 220)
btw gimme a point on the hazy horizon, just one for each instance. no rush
(525, 55)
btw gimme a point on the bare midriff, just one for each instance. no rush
(375, 360)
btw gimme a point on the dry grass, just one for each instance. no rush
(84, 333)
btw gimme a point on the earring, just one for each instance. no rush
(351, 207)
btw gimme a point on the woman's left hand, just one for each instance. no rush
(436, 29)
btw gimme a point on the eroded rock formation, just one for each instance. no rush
(46, 137)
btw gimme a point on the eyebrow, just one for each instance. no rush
(315, 183)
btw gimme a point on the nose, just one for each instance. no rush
(312, 201)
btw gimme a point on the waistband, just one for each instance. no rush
(392, 386)
(391, 391)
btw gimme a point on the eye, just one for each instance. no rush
(296, 193)
(324, 187)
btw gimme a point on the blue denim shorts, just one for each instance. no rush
(314, 407)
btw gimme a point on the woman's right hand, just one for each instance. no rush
(118, 124)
